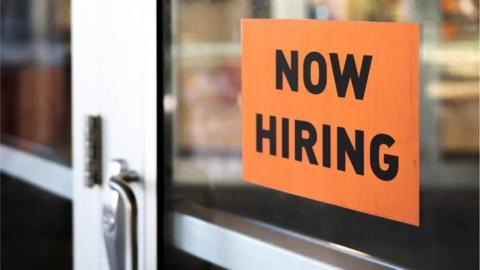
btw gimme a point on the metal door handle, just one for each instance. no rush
(119, 218)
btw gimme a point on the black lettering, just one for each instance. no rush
(326, 146)
(322, 73)
(392, 161)
(282, 67)
(285, 152)
(345, 147)
(266, 134)
(342, 79)
(306, 143)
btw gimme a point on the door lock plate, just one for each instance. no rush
(93, 151)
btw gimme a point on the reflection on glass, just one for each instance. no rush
(207, 127)
(35, 77)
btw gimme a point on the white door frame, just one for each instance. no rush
(114, 76)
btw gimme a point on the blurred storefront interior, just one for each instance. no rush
(205, 104)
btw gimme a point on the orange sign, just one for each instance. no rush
(330, 112)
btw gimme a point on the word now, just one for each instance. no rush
(342, 78)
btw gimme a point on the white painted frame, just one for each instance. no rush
(114, 76)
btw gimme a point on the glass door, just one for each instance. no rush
(35, 134)
(202, 98)
(78, 134)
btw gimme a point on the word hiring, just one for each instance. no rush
(305, 133)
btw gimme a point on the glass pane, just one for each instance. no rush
(35, 77)
(35, 198)
(207, 128)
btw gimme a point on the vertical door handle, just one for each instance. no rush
(119, 217)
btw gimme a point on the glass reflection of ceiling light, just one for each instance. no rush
(347, 250)
(169, 103)
(322, 12)
(467, 8)
(239, 100)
